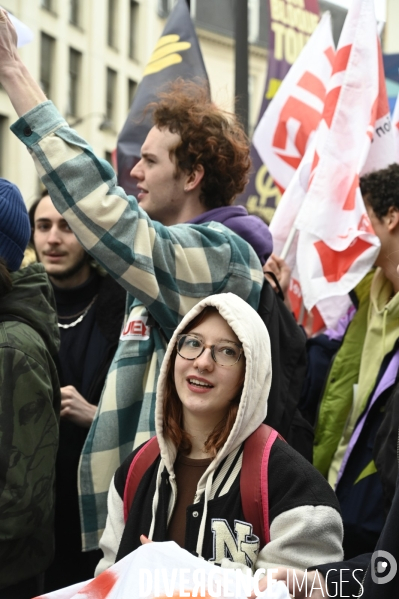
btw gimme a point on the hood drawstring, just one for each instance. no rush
(201, 532)
(155, 499)
(172, 502)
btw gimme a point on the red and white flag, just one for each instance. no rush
(336, 244)
(307, 80)
(382, 150)
(290, 122)
(395, 128)
(293, 115)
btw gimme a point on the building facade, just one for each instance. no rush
(89, 56)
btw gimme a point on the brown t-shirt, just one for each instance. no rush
(188, 472)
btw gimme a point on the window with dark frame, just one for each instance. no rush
(74, 12)
(133, 19)
(164, 8)
(131, 91)
(47, 4)
(111, 92)
(46, 63)
(112, 21)
(75, 62)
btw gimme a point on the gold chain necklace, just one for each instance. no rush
(78, 320)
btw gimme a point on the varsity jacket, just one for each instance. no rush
(166, 271)
(304, 515)
(29, 407)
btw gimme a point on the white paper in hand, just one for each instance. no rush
(25, 35)
(166, 570)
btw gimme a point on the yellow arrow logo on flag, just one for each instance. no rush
(166, 54)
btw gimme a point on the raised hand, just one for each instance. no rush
(20, 86)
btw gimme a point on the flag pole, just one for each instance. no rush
(288, 243)
(241, 62)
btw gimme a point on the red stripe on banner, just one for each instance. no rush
(316, 159)
(308, 117)
(312, 321)
(342, 59)
(330, 53)
(318, 322)
(383, 105)
(100, 587)
(291, 160)
(351, 197)
(336, 264)
(331, 104)
(313, 84)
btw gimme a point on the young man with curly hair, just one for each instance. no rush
(168, 249)
(362, 375)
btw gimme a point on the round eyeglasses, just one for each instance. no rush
(225, 353)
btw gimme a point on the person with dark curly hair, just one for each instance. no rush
(209, 137)
(380, 190)
(169, 248)
(200, 139)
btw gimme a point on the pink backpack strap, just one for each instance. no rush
(254, 483)
(143, 459)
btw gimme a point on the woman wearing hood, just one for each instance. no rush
(212, 395)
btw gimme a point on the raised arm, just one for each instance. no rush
(168, 269)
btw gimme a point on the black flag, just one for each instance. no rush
(177, 54)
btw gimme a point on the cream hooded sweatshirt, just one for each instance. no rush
(305, 525)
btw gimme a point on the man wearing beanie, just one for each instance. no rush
(29, 407)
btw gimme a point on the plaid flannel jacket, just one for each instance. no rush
(165, 270)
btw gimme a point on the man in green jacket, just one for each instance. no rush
(362, 376)
(29, 407)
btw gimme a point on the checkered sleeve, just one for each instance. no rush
(168, 269)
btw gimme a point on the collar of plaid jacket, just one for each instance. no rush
(165, 270)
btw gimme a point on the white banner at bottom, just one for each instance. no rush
(166, 570)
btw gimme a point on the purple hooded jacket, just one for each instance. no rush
(249, 227)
